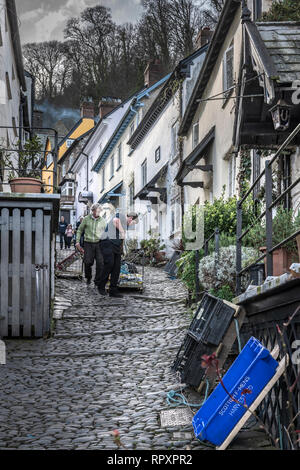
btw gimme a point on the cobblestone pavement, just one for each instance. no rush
(106, 367)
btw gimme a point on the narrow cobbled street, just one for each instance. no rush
(106, 367)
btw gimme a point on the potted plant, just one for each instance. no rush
(24, 167)
(283, 227)
(153, 248)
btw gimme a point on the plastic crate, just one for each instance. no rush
(207, 329)
(252, 370)
(211, 320)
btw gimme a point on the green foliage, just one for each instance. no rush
(222, 214)
(186, 270)
(244, 175)
(283, 227)
(283, 10)
(24, 163)
(151, 246)
(225, 293)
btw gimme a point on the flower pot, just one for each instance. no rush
(25, 185)
(282, 259)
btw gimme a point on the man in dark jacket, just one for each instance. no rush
(111, 245)
(61, 230)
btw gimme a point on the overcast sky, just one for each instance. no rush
(43, 20)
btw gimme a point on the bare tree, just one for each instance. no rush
(47, 62)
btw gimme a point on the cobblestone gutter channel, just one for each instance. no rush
(106, 367)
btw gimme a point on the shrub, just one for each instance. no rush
(223, 273)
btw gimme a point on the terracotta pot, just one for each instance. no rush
(282, 259)
(160, 256)
(25, 185)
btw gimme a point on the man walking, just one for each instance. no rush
(62, 226)
(111, 248)
(93, 226)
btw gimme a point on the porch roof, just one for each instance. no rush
(195, 155)
(282, 40)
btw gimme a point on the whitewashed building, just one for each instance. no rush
(157, 155)
(16, 87)
(88, 189)
(115, 165)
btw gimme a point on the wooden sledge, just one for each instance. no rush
(279, 371)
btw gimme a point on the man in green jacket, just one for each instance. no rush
(93, 227)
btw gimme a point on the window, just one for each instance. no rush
(49, 159)
(232, 175)
(1, 41)
(119, 155)
(15, 126)
(175, 215)
(71, 160)
(13, 73)
(69, 142)
(103, 180)
(195, 134)
(8, 89)
(6, 22)
(63, 171)
(174, 146)
(49, 184)
(131, 195)
(256, 9)
(131, 129)
(144, 172)
(157, 155)
(68, 189)
(112, 166)
(228, 70)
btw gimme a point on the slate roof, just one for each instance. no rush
(282, 40)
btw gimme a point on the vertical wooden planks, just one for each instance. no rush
(28, 261)
(4, 228)
(16, 229)
(39, 242)
(46, 271)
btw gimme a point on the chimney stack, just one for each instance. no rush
(204, 37)
(87, 109)
(107, 104)
(38, 118)
(153, 72)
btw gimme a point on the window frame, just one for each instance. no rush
(120, 155)
(196, 125)
(226, 85)
(112, 166)
(157, 154)
(144, 172)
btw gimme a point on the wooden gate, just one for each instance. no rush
(27, 225)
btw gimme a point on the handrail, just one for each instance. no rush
(240, 234)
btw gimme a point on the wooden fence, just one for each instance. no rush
(27, 225)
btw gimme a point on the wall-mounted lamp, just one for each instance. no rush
(281, 115)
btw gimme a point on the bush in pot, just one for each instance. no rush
(24, 166)
(282, 227)
(215, 273)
